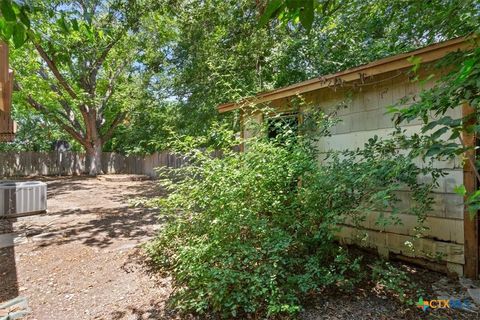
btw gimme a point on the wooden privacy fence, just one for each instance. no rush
(74, 163)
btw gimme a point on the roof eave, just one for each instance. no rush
(426, 54)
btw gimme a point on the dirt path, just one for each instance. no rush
(81, 260)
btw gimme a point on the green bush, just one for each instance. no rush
(254, 233)
(394, 280)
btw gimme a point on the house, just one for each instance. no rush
(7, 125)
(451, 243)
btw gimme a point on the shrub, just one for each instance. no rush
(254, 233)
(395, 280)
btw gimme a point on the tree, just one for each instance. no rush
(78, 68)
(297, 11)
(434, 13)
(36, 133)
(197, 54)
(14, 22)
(221, 54)
(147, 129)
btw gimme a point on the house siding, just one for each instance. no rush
(362, 110)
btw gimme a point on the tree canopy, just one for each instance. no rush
(129, 75)
(79, 68)
(221, 53)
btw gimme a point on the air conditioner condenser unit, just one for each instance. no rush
(22, 198)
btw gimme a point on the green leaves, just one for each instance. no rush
(14, 22)
(19, 35)
(473, 203)
(75, 25)
(460, 190)
(290, 10)
(306, 14)
(8, 13)
(237, 251)
(272, 7)
(445, 120)
(459, 87)
(467, 67)
(6, 29)
(69, 49)
(23, 16)
(415, 61)
(246, 239)
(437, 134)
(63, 24)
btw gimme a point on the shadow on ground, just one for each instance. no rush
(110, 226)
(8, 270)
(93, 212)
(8, 274)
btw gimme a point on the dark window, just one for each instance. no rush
(283, 125)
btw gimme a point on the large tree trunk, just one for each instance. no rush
(94, 158)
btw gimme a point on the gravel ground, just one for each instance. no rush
(82, 261)
(370, 301)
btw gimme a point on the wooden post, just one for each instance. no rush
(7, 126)
(470, 221)
(4, 78)
(7, 92)
(3, 62)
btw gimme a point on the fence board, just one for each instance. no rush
(74, 163)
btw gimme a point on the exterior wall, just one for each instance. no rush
(362, 110)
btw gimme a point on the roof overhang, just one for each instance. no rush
(426, 54)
